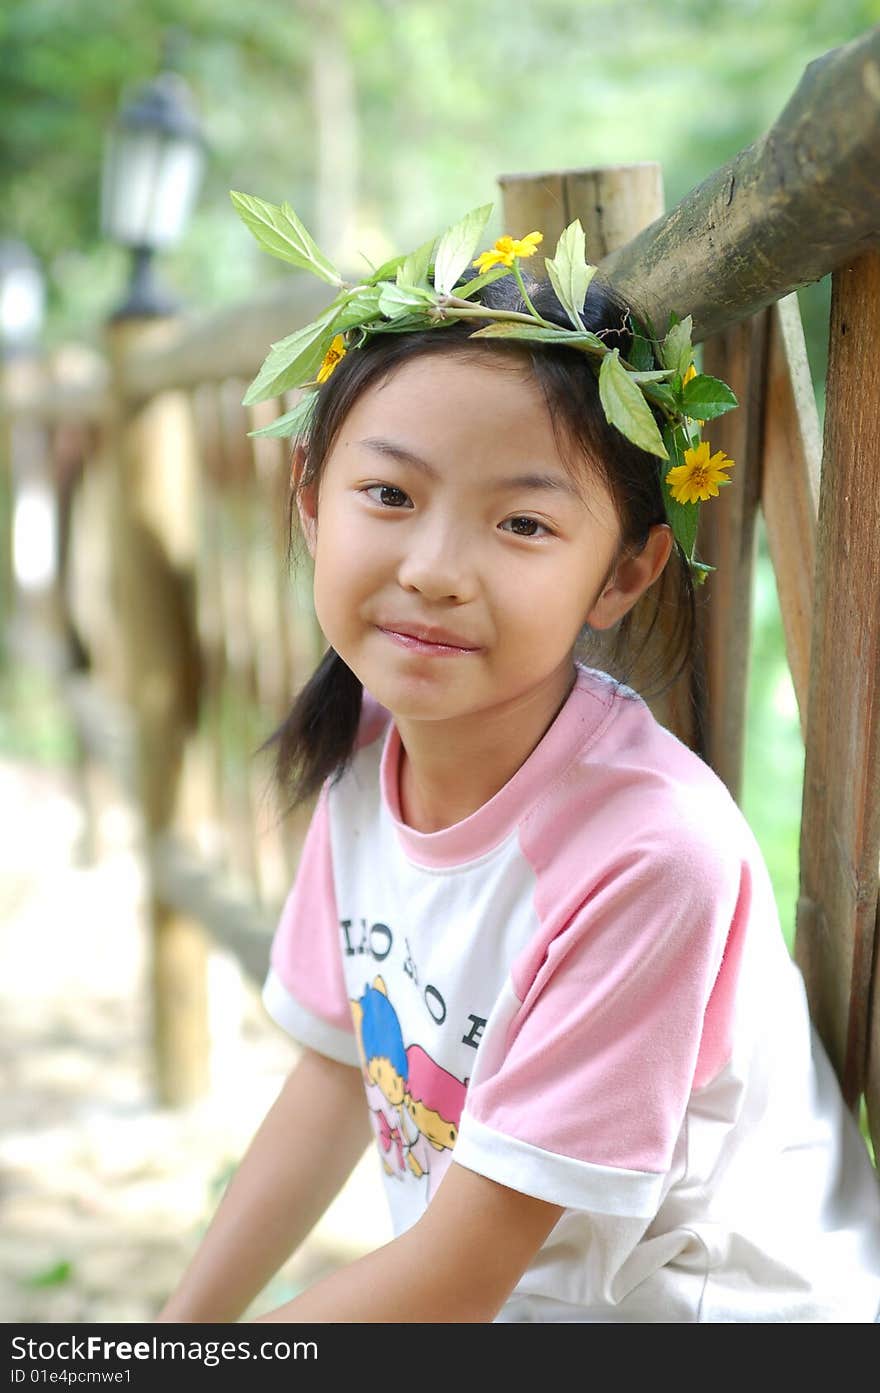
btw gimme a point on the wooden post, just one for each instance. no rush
(727, 540)
(613, 202)
(613, 205)
(153, 539)
(840, 822)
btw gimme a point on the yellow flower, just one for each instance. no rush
(332, 357)
(699, 477)
(691, 373)
(506, 248)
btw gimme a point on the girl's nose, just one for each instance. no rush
(438, 562)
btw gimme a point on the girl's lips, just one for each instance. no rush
(420, 645)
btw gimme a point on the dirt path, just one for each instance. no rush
(102, 1193)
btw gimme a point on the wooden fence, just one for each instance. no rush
(173, 576)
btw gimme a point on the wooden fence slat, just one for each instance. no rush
(727, 540)
(792, 456)
(153, 539)
(233, 571)
(840, 824)
(209, 611)
(535, 203)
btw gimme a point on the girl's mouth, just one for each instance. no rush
(419, 645)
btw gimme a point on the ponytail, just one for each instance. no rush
(318, 735)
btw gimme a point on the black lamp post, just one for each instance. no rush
(152, 169)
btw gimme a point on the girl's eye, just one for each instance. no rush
(386, 489)
(390, 496)
(530, 523)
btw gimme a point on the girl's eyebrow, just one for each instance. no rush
(553, 482)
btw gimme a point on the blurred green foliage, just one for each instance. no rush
(33, 723)
(773, 776)
(54, 1276)
(395, 114)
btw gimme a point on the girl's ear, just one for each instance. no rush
(306, 498)
(631, 577)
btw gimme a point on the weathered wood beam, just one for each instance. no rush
(840, 823)
(797, 203)
(85, 403)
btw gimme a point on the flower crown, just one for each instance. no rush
(420, 290)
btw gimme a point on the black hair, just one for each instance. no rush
(317, 738)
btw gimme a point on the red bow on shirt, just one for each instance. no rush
(389, 1134)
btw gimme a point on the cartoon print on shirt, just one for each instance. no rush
(433, 1100)
(383, 1058)
(415, 1105)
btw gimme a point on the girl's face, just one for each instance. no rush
(444, 504)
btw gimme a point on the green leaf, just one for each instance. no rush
(395, 300)
(53, 1276)
(511, 329)
(457, 246)
(318, 262)
(406, 324)
(295, 422)
(413, 270)
(569, 272)
(625, 406)
(641, 354)
(660, 393)
(657, 375)
(676, 351)
(706, 397)
(280, 232)
(700, 571)
(464, 292)
(387, 269)
(359, 307)
(292, 361)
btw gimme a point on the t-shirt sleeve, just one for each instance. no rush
(305, 988)
(585, 1071)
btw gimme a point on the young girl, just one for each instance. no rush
(532, 953)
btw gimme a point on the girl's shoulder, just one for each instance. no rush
(640, 834)
(642, 785)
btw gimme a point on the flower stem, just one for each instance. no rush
(523, 292)
(463, 309)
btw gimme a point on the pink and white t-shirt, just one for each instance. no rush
(582, 992)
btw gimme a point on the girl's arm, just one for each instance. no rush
(303, 1153)
(460, 1262)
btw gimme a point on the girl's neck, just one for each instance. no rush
(448, 772)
